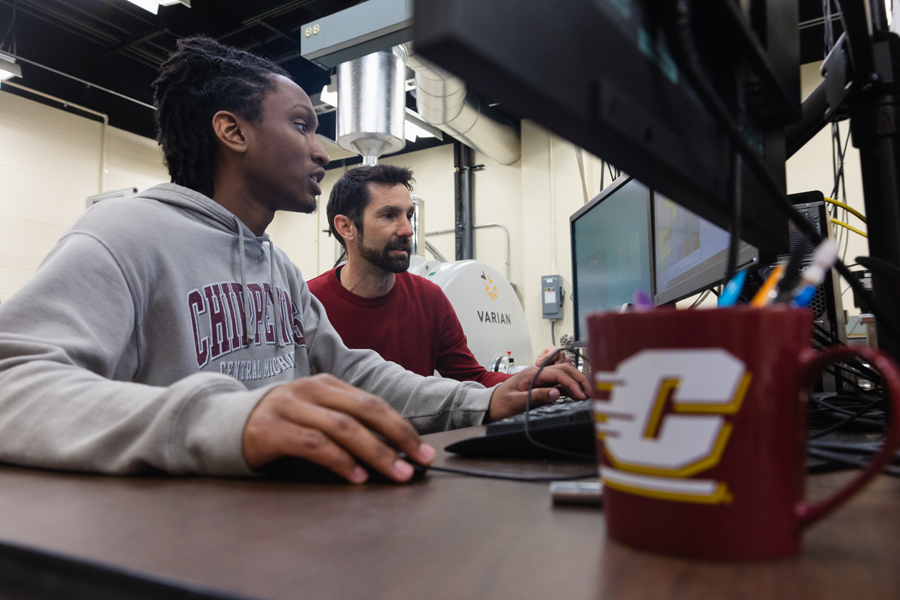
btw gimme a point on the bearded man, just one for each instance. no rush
(372, 301)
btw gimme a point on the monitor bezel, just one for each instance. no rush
(605, 193)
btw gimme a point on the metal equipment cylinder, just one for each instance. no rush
(372, 104)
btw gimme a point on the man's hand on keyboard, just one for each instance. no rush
(509, 397)
(560, 358)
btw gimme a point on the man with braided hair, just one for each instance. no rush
(166, 332)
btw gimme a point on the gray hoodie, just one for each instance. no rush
(130, 350)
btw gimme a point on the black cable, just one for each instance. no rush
(734, 227)
(511, 477)
(871, 263)
(683, 45)
(531, 440)
(828, 27)
(849, 382)
(857, 420)
(788, 282)
(857, 448)
(844, 411)
(849, 460)
(839, 171)
(846, 419)
(737, 165)
(824, 337)
(860, 371)
(853, 447)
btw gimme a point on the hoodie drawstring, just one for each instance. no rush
(248, 311)
(275, 299)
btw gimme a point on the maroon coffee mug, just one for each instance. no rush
(701, 428)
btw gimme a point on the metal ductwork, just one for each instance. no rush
(443, 101)
(372, 104)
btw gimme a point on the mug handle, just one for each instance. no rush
(809, 514)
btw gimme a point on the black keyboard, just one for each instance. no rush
(565, 425)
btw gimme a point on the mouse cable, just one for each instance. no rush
(511, 477)
(851, 417)
(850, 460)
(864, 448)
(534, 442)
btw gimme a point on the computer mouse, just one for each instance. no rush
(301, 469)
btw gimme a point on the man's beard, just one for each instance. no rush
(382, 258)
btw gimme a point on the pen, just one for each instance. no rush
(805, 296)
(813, 276)
(732, 291)
(790, 279)
(765, 293)
(641, 301)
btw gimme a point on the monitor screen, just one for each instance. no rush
(691, 254)
(611, 252)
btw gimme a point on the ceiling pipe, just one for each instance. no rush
(442, 99)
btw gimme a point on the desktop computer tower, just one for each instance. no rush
(827, 307)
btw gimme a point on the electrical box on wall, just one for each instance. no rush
(552, 297)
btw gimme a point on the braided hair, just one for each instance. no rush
(200, 78)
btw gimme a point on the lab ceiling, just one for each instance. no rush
(116, 45)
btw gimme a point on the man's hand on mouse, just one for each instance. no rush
(330, 422)
(509, 397)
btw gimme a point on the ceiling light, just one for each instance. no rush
(411, 131)
(9, 68)
(153, 5)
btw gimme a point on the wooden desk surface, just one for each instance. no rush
(448, 536)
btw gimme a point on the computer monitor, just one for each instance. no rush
(690, 253)
(611, 250)
(612, 85)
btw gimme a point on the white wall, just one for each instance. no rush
(49, 164)
(50, 161)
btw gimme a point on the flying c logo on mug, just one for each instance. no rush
(665, 421)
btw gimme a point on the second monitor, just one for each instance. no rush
(629, 237)
(691, 254)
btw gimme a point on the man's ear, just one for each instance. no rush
(345, 227)
(229, 131)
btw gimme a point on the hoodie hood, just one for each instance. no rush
(202, 208)
(213, 214)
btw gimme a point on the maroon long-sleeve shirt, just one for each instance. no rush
(413, 325)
